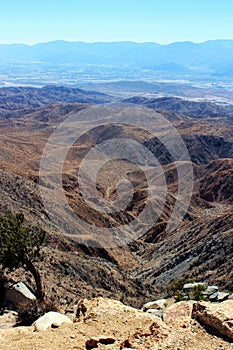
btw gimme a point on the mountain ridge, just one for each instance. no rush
(121, 41)
(209, 55)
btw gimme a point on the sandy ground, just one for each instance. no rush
(110, 318)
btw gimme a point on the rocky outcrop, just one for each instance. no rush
(219, 317)
(222, 296)
(210, 293)
(50, 319)
(188, 287)
(107, 323)
(181, 311)
(157, 304)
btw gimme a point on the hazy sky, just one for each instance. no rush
(162, 21)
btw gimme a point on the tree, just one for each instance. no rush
(20, 245)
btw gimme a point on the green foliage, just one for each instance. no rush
(198, 293)
(195, 294)
(178, 285)
(19, 242)
(20, 245)
(178, 296)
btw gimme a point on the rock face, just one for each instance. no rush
(50, 319)
(179, 311)
(19, 295)
(219, 317)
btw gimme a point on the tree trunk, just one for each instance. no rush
(39, 286)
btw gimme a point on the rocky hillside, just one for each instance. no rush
(186, 108)
(24, 98)
(200, 247)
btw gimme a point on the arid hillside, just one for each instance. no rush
(201, 246)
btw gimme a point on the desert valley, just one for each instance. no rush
(177, 141)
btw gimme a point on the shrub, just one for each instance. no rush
(178, 296)
(20, 245)
(198, 293)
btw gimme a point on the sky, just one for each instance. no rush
(166, 21)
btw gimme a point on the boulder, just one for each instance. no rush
(155, 312)
(19, 294)
(213, 297)
(50, 319)
(178, 311)
(222, 296)
(210, 290)
(157, 304)
(218, 317)
(188, 287)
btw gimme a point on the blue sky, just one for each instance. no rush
(29, 21)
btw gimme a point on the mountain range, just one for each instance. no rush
(214, 56)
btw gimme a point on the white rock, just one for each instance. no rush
(50, 319)
(222, 296)
(155, 312)
(157, 304)
(210, 290)
(191, 286)
(213, 297)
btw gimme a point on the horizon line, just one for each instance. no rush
(112, 42)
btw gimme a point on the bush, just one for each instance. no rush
(20, 246)
(198, 293)
(178, 285)
(195, 294)
(178, 296)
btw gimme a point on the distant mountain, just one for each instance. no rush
(189, 108)
(179, 56)
(131, 88)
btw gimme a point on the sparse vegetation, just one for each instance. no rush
(195, 294)
(198, 293)
(178, 285)
(20, 246)
(178, 296)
